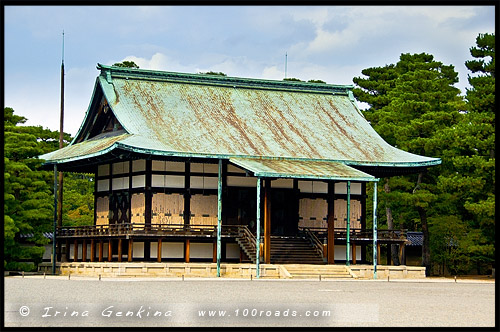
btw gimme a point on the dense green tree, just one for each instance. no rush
(410, 103)
(28, 192)
(78, 202)
(471, 183)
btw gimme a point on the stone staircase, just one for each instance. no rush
(293, 250)
(307, 271)
(284, 250)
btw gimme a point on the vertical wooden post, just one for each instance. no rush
(186, 251)
(376, 245)
(378, 253)
(353, 253)
(130, 250)
(214, 260)
(100, 250)
(348, 222)
(159, 251)
(59, 251)
(401, 247)
(92, 250)
(120, 249)
(84, 250)
(331, 224)
(67, 251)
(75, 251)
(267, 222)
(257, 237)
(110, 251)
(389, 254)
(219, 217)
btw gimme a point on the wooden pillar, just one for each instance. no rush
(158, 255)
(100, 250)
(67, 251)
(267, 222)
(378, 252)
(120, 248)
(389, 254)
(353, 253)
(187, 193)
(331, 224)
(401, 248)
(75, 250)
(214, 260)
(84, 250)
(59, 250)
(92, 250)
(130, 250)
(110, 251)
(186, 251)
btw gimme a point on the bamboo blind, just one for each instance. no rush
(167, 209)
(203, 210)
(102, 211)
(313, 212)
(138, 207)
(341, 213)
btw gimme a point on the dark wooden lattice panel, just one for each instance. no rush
(119, 205)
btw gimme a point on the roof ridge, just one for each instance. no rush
(121, 72)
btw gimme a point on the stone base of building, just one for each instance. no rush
(164, 270)
(384, 271)
(227, 270)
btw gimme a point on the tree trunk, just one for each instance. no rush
(426, 252)
(390, 225)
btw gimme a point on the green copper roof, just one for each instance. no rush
(323, 170)
(176, 114)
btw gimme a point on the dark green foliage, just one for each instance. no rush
(28, 191)
(415, 107)
(126, 64)
(212, 73)
(292, 79)
(316, 81)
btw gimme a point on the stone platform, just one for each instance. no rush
(228, 270)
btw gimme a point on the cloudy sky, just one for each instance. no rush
(332, 43)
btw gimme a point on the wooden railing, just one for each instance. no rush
(313, 239)
(314, 234)
(357, 233)
(146, 229)
(247, 236)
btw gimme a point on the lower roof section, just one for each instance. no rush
(301, 169)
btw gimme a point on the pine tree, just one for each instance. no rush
(410, 103)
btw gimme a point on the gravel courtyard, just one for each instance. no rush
(162, 302)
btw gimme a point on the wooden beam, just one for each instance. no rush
(331, 224)
(186, 251)
(158, 255)
(92, 250)
(100, 250)
(84, 250)
(267, 222)
(130, 250)
(110, 251)
(353, 253)
(120, 246)
(75, 251)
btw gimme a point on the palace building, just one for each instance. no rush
(198, 167)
